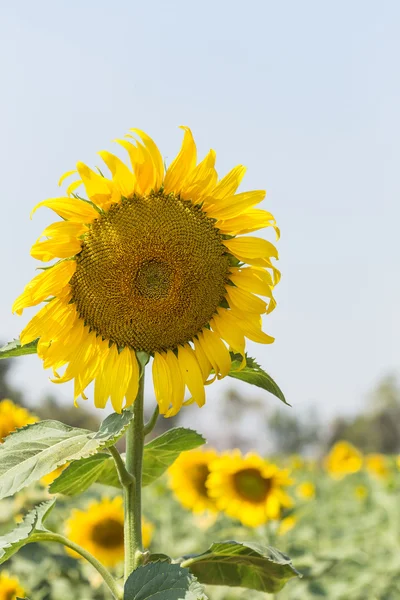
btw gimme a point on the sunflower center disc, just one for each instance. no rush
(199, 475)
(251, 485)
(109, 534)
(151, 273)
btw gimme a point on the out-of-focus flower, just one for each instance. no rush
(188, 476)
(13, 417)
(48, 479)
(100, 530)
(248, 488)
(306, 490)
(343, 459)
(361, 492)
(377, 465)
(287, 524)
(10, 587)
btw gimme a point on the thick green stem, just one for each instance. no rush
(151, 423)
(133, 490)
(109, 580)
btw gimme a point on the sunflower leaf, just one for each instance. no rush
(159, 454)
(163, 580)
(162, 452)
(254, 374)
(243, 564)
(38, 449)
(14, 348)
(79, 475)
(11, 542)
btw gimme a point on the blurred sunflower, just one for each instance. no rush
(248, 488)
(12, 417)
(287, 524)
(10, 588)
(48, 479)
(100, 530)
(377, 465)
(306, 490)
(151, 261)
(188, 477)
(343, 459)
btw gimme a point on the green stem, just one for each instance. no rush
(109, 580)
(125, 478)
(133, 490)
(151, 423)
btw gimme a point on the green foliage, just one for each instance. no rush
(38, 449)
(243, 564)
(162, 452)
(14, 348)
(80, 475)
(254, 374)
(163, 580)
(11, 542)
(159, 454)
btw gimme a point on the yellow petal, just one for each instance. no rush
(228, 184)
(156, 157)
(251, 247)
(191, 373)
(122, 176)
(66, 229)
(251, 327)
(98, 188)
(201, 180)
(251, 220)
(162, 382)
(182, 165)
(48, 283)
(143, 168)
(203, 361)
(101, 388)
(56, 248)
(235, 205)
(178, 385)
(65, 176)
(73, 186)
(225, 327)
(133, 387)
(49, 319)
(71, 209)
(257, 281)
(80, 359)
(245, 301)
(216, 352)
(121, 377)
(89, 370)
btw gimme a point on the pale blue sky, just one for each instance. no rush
(306, 94)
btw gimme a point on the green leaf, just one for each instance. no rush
(162, 581)
(79, 475)
(14, 348)
(243, 564)
(38, 449)
(254, 374)
(160, 453)
(11, 542)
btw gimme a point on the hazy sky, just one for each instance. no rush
(306, 94)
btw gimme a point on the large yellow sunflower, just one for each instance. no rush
(248, 488)
(343, 459)
(188, 477)
(100, 530)
(10, 588)
(13, 417)
(153, 262)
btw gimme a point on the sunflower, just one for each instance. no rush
(154, 262)
(50, 477)
(287, 524)
(10, 588)
(100, 530)
(248, 488)
(188, 477)
(377, 465)
(306, 490)
(343, 459)
(12, 417)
